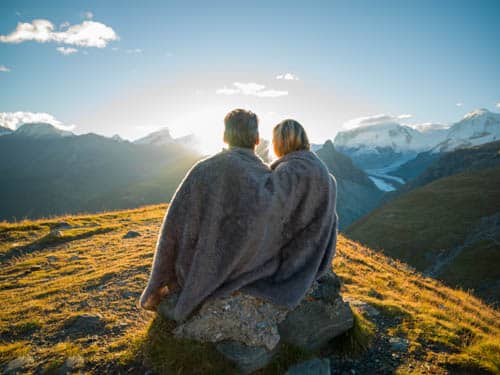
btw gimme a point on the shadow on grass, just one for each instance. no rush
(51, 240)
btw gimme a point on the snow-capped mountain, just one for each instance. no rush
(377, 146)
(41, 130)
(476, 128)
(160, 137)
(381, 148)
(4, 130)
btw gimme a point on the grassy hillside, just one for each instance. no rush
(55, 270)
(448, 228)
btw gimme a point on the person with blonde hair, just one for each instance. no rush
(303, 217)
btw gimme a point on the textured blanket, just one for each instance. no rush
(234, 225)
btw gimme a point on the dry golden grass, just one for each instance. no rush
(46, 279)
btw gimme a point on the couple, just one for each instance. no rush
(237, 224)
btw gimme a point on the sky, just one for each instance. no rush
(132, 67)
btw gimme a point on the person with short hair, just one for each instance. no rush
(214, 223)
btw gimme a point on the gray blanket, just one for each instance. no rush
(234, 225)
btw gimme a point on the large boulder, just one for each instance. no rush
(247, 329)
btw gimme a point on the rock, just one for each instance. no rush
(84, 325)
(131, 234)
(63, 225)
(398, 344)
(314, 366)
(328, 288)
(52, 258)
(363, 306)
(19, 364)
(74, 362)
(74, 257)
(247, 330)
(246, 358)
(35, 268)
(313, 323)
(55, 233)
(240, 317)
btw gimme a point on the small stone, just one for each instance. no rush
(74, 362)
(74, 257)
(19, 364)
(247, 358)
(52, 258)
(63, 225)
(56, 233)
(131, 234)
(35, 268)
(314, 366)
(398, 344)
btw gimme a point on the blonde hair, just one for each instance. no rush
(289, 136)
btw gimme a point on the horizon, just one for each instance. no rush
(119, 68)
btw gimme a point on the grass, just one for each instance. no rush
(104, 273)
(419, 226)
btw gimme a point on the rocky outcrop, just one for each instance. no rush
(248, 330)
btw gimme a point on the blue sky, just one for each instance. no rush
(175, 63)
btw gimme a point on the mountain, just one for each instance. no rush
(477, 127)
(380, 145)
(70, 299)
(449, 229)
(357, 194)
(41, 130)
(4, 130)
(160, 137)
(461, 160)
(45, 171)
(392, 153)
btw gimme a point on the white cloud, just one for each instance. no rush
(498, 105)
(64, 25)
(459, 104)
(287, 76)
(66, 50)
(13, 120)
(88, 15)
(375, 120)
(86, 34)
(4, 69)
(252, 89)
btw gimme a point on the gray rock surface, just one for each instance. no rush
(314, 323)
(19, 364)
(247, 330)
(131, 234)
(314, 366)
(247, 358)
(398, 344)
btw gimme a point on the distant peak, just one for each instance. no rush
(476, 113)
(41, 130)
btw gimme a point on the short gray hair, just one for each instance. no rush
(241, 128)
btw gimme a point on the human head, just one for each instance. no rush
(241, 129)
(289, 136)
